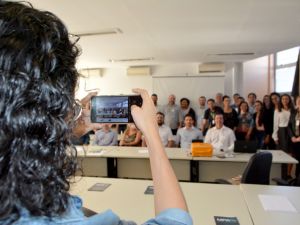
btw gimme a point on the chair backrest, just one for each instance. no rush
(295, 181)
(258, 169)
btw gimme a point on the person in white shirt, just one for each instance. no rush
(187, 134)
(171, 111)
(280, 128)
(164, 131)
(200, 111)
(281, 121)
(219, 100)
(220, 137)
(154, 98)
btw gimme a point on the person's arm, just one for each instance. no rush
(275, 126)
(232, 139)
(178, 138)
(115, 139)
(171, 141)
(207, 138)
(95, 139)
(236, 119)
(290, 129)
(170, 144)
(249, 132)
(200, 135)
(167, 192)
(144, 144)
(84, 124)
(204, 124)
(122, 141)
(193, 114)
(86, 100)
(205, 120)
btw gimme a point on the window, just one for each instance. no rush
(285, 69)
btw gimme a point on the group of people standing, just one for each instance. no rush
(274, 121)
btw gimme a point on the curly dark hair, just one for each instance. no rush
(37, 84)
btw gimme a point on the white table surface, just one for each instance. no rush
(126, 198)
(262, 217)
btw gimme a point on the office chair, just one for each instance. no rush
(292, 182)
(257, 170)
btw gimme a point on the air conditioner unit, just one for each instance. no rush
(212, 68)
(90, 72)
(139, 70)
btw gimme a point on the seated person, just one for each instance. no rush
(165, 132)
(131, 136)
(38, 79)
(220, 137)
(83, 140)
(188, 133)
(106, 136)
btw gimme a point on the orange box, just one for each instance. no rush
(201, 149)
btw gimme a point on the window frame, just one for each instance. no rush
(283, 66)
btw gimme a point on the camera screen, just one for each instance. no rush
(110, 109)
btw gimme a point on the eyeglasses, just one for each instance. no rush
(77, 110)
(74, 38)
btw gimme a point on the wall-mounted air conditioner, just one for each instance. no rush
(90, 72)
(139, 70)
(212, 68)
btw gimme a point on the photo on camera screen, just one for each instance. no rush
(110, 109)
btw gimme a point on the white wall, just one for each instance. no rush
(115, 81)
(255, 77)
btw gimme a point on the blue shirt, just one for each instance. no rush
(74, 216)
(185, 136)
(108, 138)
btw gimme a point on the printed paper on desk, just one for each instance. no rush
(143, 151)
(79, 148)
(223, 220)
(276, 203)
(99, 187)
(96, 152)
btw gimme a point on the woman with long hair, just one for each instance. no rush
(281, 119)
(294, 133)
(38, 112)
(259, 124)
(280, 128)
(131, 136)
(245, 125)
(270, 106)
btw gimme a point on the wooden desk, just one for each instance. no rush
(262, 217)
(211, 168)
(127, 199)
(130, 162)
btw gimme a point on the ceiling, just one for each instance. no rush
(178, 31)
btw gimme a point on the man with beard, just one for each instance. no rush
(165, 132)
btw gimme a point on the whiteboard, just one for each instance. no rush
(191, 87)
